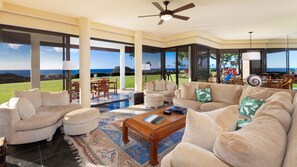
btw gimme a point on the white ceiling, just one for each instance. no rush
(225, 19)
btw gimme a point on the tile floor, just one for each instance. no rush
(56, 153)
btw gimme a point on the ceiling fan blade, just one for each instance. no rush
(191, 5)
(181, 17)
(148, 16)
(157, 5)
(160, 22)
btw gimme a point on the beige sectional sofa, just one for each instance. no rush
(163, 87)
(33, 115)
(269, 140)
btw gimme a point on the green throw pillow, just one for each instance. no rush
(242, 123)
(203, 95)
(249, 106)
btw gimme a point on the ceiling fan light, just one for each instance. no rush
(166, 17)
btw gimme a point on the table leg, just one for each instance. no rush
(125, 133)
(153, 152)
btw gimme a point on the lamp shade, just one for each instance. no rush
(251, 56)
(146, 67)
(69, 65)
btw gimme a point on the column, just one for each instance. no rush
(1, 4)
(245, 68)
(138, 61)
(84, 62)
(35, 62)
(122, 68)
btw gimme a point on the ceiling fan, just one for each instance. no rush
(166, 14)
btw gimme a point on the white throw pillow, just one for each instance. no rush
(203, 128)
(188, 91)
(33, 95)
(55, 98)
(160, 85)
(23, 106)
(170, 85)
(149, 86)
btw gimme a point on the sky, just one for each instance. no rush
(17, 57)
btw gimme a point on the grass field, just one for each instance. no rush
(8, 90)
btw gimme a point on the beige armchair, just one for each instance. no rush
(163, 87)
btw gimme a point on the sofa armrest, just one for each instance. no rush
(8, 120)
(177, 93)
(146, 92)
(186, 154)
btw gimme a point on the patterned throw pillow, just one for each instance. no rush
(203, 95)
(242, 123)
(249, 106)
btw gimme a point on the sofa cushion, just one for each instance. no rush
(149, 86)
(170, 85)
(23, 106)
(255, 93)
(192, 104)
(217, 121)
(280, 101)
(249, 106)
(45, 116)
(166, 93)
(291, 156)
(55, 98)
(203, 95)
(33, 95)
(286, 95)
(277, 112)
(213, 106)
(188, 91)
(160, 85)
(261, 143)
(201, 85)
(225, 93)
(295, 101)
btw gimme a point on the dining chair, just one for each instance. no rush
(273, 83)
(114, 85)
(103, 87)
(286, 83)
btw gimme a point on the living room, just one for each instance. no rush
(204, 41)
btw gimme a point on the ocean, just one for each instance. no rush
(26, 73)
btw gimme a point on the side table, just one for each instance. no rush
(3, 146)
(137, 97)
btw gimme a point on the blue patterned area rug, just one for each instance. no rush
(104, 147)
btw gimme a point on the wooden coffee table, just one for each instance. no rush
(154, 133)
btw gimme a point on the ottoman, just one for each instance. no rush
(154, 100)
(81, 121)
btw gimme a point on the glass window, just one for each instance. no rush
(151, 56)
(212, 65)
(202, 64)
(276, 61)
(229, 64)
(130, 67)
(51, 73)
(170, 64)
(183, 64)
(293, 62)
(15, 65)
